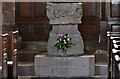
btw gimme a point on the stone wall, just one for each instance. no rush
(8, 10)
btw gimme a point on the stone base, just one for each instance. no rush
(81, 66)
(73, 33)
(101, 69)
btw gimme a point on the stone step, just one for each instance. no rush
(25, 69)
(29, 49)
(34, 45)
(35, 77)
(100, 77)
(27, 77)
(26, 55)
(101, 69)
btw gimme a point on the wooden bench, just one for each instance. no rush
(9, 54)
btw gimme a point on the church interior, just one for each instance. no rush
(29, 31)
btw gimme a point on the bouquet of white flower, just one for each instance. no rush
(63, 42)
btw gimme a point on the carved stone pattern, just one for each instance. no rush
(64, 13)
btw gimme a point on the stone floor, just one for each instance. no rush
(62, 78)
(71, 78)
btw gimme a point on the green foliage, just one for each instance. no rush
(63, 42)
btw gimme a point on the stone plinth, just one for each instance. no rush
(81, 66)
(74, 34)
(64, 18)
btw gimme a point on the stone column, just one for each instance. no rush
(8, 10)
(64, 18)
(0, 33)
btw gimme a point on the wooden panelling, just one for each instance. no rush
(32, 21)
(40, 9)
(24, 10)
(34, 32)
(89, 9)
(90, 21)
(88, 31)
(30, 10)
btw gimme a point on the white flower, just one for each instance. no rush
(65, 42)
(68, 39)
(65, 36)
(60, 39)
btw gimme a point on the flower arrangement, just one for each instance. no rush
(63, 42)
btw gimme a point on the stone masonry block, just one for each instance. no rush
(43, 71)
(37, 69)
(64, 66)
(62, 71)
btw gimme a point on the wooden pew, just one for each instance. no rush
(113, 68)
(12, 54)
(9, 55)
(4, 55)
